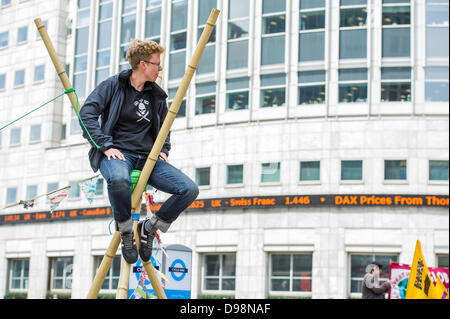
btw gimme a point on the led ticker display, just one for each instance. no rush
(253, 202)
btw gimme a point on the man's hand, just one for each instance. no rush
(164, 157)
(114, 153)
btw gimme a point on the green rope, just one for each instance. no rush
(76, 110)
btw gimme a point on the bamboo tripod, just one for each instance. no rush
(136, 197)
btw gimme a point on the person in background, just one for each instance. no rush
(371, 287)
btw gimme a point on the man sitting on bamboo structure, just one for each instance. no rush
(132, 108)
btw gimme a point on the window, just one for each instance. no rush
(219, 272)
(127, 30)
(19, 78)
(52, 187)
(437, 22)
(81, 49)
(112, 277)
(202, 176)
(35, 133)
(153, 20)
(99, 187)
(438, 170)
(436, 84)
(22, 34)
(311, 88)
(74, 191)
(5, 3)
(2, 81)
(309, 171)
(353, 30)
(237, 94)
(238, 29)
(39, 73)
(182, 110)
(178, 39)
(396, 29)
(207, 60)
(290, 273)
(352, 85)
(45, 23)
(206, 98)
(396, 84)
(273, 90)
(104, 27)
(273, 32)
(18, 274)
(4, 39)
(351, 170)
(270, 172)
(395, 169)
(11, 195)
(358, 264)
(31, 191)
(61, 273)
(442, 261)
(311, 46)
(15, 137)
(235, 174)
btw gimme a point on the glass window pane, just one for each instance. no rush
(228, 284)
(202, 176)
(279, 284)
(436, 73)
(437, 42)
(349, 93)
(11, 195)
(104, 35)
(4, 39)
(237, 100)
(79, 84)
(205, 105)
(179, 16)
(273, 97)
(311, 94)
(353, 44)
(311, 4)
(212, 265)
(22, 34)
(80, 63)
(438, 171)
(301, 284)
(272, 50)
(353, 74)
(39, 73)
(436, 91)
(2, 81)
(395, 92)
(15, 135)
(437, 15)
(128, 28)
(177, 65)
(396, 1)
(395, 169)
(312, 20)
(82, 40)
(83, 17)
(238, 29)
(353, 2)
(229, 265)
(204, 88)
(238, 83)
(270, 6)
(396, 42)
(31, 191)
(204, 9)
(302, 265)
(396, 15)
(178, 41)
(281, 265)
(74, 191)
(103, 59)
(273, 79)
(351, 170)
(238, 8)
(273, 24)
(310, 171)
(99, 186)
(354, 17)
(395, 73)
(211, 284)
(153, 23)
(235, 174)
(311, 76)
(106, 11)
(270, 172)
(101, 75)
(128, 6)
(311, 46)
(19, 77)
(237, 55)
(35, 132)
(443, 261)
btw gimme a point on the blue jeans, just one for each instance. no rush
(164, 177)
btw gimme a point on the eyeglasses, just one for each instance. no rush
(157, 64)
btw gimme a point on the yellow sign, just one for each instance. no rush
(420, 285)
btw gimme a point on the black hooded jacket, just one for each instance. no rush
(105, 102)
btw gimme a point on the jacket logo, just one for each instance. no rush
(142, 111)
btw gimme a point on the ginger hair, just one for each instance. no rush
(139, 50)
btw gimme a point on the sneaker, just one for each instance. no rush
(129, 249)
(146, 246)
